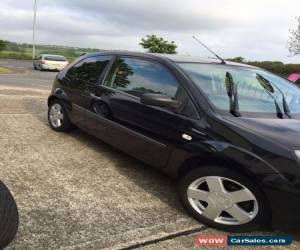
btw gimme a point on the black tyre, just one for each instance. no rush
(9, 217)
(58, 118)
(224, 199)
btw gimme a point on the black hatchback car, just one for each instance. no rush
(229, 133)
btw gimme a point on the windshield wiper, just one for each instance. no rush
(286, 108)
(268, 87)
(232, 94)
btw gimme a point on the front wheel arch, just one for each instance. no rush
(200, 161)
(221, 162)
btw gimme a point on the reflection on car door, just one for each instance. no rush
(149, 133)
(79, 80)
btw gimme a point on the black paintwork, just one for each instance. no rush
(261, 148)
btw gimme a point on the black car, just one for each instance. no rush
(229, 133)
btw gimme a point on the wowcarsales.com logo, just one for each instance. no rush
(207, 241)
(231, 240)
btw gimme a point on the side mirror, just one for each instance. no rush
(159, 100)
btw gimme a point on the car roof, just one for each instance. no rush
(51, 55)
(171, 57)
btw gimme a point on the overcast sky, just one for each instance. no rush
(254, 29)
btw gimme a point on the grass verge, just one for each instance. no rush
(4, 71)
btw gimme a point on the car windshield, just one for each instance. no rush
(55, 58)
(258, 91)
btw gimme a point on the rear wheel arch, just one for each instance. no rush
(59, 94)
(51, 99)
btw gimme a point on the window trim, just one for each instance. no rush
(139, 58)
(97, 83)
(121, 92)
(117, 56)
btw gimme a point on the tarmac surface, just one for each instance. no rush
(75, 192)
(31, 79)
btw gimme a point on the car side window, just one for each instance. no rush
(136, 77)
(89, 69)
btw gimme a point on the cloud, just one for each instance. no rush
(254, 29)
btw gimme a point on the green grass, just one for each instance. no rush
(5, 70)
(24, 51)
(15, 55)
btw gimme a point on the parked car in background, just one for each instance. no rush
(226, 132)
(295, 77)
(50, 62)
(9, 216)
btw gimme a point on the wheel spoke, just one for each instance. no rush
(56, 115)
(60, 116)
(241, 195)
(211, 212)
(215, 184)
(197, 194)
(57, 107)
(239, 214)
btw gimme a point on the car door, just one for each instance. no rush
(147, 132)
(79, 80)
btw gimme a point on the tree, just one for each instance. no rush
(156, 44)
(294, 43)
(2, 45)
(238, 59)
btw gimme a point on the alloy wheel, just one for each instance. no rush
(56, 115)
(222, 200)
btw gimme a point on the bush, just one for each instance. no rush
(15, 55)
(2, 45)
(273, 66)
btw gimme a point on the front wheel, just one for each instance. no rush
(9, 217)
(224, 199)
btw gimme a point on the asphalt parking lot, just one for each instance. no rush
(75, 192)
(31, 78)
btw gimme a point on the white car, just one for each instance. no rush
(50, 62)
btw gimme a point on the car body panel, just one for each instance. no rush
(159, 137)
